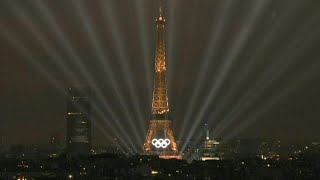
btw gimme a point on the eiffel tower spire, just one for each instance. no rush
(160, 8)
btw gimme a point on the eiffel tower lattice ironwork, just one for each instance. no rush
(160, 138)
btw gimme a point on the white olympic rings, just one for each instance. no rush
(161, 143)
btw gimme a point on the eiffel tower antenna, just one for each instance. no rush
(160, 8)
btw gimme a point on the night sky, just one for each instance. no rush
(249, 68)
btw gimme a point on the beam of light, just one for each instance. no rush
(193, 155)
(277, 70)
(171, 40)
(102, 57)
(71, 52)
(217, 30)
(297, 82)
(302, 78)
(58, 58)
(119, 130)
(123, 56)
(145, 43)
(44, 43)
(189, 38)
(27, 55)
(267, 79)
(101, 129)
(217, 110)
(118, 136)
(18, 45)
(238, 45)
(278, 66)
(46, 46)
(40, 37)
(88, 77)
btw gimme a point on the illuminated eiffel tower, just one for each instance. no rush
(160, 139)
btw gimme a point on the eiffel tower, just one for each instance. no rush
(160, 138)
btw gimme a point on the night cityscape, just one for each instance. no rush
(159, 89)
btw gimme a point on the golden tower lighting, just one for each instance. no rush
(160, 139)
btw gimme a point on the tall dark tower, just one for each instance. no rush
(160, 139)
(78, 121)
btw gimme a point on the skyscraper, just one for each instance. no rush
(78, 121)
(160, 139)
(209, 147)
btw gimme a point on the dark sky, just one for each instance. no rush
(249, 68)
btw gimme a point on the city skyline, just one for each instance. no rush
(251, 76)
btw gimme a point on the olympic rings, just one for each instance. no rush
(161, 143)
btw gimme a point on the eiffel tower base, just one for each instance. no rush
(160, 131)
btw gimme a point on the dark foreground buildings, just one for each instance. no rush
(117, 166)
(52, 162)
